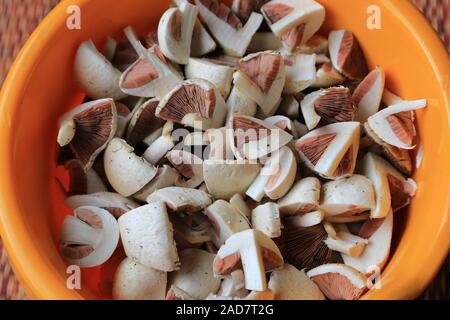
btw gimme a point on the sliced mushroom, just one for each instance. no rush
(133, 281)
(147, 237)
(180, 199)
(195, 103)
(347, 55)
(112, 202)
(233, 286)
(175, 31)
(176, 293)
(239, 103)
(331, 151)
(189, 166)
(219, 144)
(143, 122)
(226, 221)
(327, 76)
(149, 76)
(220, 75)
(368, 94)
(395, 124)
(89, 237)
(339, 281)
(389, 98)
(202, 42)
(152, 137)
(166, 176)
(304, 197)
(225, 178)
(161, 146)
(317, 44)
(349, 218)
(300, 72)
(263, 41)
(399, 158)
(127, 173)
(295, 21)
(282, 177)
(282, 122)
(253, 251)
(238, 203)
(289, 107)
(347, 243)
(83, 182)
(391, 188)
(88, 129)
(266, 218)
(226, 27)
(244, 8)
(254, 138)
(332, 105)
(95, 74)
(289, 283)
(305, 247)
(306, 220)
(190, 230)
(347, 197)
(261, 114)
(195, 277)
(261, 76)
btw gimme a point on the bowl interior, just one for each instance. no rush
(43, 89)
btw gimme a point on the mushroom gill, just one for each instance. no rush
(262, 69)
(314, 147)
(141, 73)
(144, 122)
(335, 105)
(222, 12)
(246, 7)
(276, 11)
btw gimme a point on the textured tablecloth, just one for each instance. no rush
(18, 18)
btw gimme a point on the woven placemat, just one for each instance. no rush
(18, 18)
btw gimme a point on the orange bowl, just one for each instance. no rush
(40, 88)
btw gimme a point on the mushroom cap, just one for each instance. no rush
(225, 178)
(147, 237)
(89, 237)
(226, 221)
(289, 283)
(226, 27)
(165, 177)
(179, 199)
(195, 103)
(252, 250)
(133, 281)
(369, 93)
(266, 218)
(244, 8)
(262, 76)
(395, 124)
(127, 172)
(302, 198)
(95, 74)
(112, 202)
(196, 277)
(331, 151)
(221, 75)
(351, 195)
(254, 138)
(282, 178)
(175, 31)
(339, 281)
(95, 124)
(376, 253)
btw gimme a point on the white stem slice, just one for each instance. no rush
(175, 32)
(368, 94)
(147, 237)
(331, 151)
(266, 218)
(304, 197)
(347, 243)
(395, 124)
(95, 74)
(262, 76)
(226, 28)
(339, 281)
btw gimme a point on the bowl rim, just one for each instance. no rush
(40, 281)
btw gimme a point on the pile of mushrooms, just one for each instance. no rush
(235, 153)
